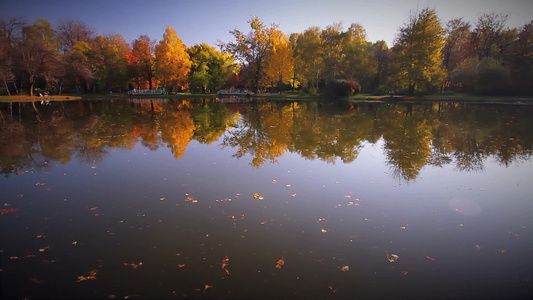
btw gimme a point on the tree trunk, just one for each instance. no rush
(37, 115)
(60, 87)
(7, 88)
(411, 89)
(32, 84)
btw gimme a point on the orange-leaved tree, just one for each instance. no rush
(172, 61)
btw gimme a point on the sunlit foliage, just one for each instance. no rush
(172, 61)
(417, 52)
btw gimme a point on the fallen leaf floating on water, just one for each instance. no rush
(225, 262)
(344, 268)
(36, 281)
(515, 235)
(181, 265)
(135, 266)
(430, 258)
(91, 276)
(191, 199)
(8, 210)
(404, 273)
(44, 248)
(206, 287)
(258, 196)
(392, 257)
(324, 230)
(501, 250)
(280, 263)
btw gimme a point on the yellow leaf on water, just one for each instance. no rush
(323, 230)
(91, 276)
(345, 268)
(392, 257)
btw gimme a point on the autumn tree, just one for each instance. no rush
(308, 57)
(209, 67)
(38, 51)
(141, 61)
(489, 35)
(108, 59)
(522, 59)
(73, 66)
(332, 39)
(172, 61)
(252, 49)
(10, 31)
(357, 62)
(457, 46)
(279, 64)
(69, 32)
(380, 52)
(417, 52)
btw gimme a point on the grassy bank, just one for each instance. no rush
(446, 98)
(19, 98)
(289, 96)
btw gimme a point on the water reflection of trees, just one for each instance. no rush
(413, 135)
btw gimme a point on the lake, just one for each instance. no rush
(156, 199)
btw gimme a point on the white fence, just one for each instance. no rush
(147, 92)
(235, 92)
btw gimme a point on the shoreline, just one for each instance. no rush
(289, 97)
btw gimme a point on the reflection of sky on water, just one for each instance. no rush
(457, 233)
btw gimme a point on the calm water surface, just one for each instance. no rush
(202, 199)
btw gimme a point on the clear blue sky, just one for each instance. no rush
(198, 21)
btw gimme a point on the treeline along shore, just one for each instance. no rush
(429, 56)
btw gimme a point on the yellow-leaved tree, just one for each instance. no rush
(417, 52)
(279, 65)
(172, 61)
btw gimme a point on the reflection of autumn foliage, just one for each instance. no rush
(177, 130)
(407, 140)
(413, 136)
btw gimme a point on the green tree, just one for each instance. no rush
(381, 58)
(332, 39)
(357, 57)
(417, 52)
(172, 61)
(308, 57)
(209, 67)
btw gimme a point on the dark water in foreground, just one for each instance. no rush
(199, 199)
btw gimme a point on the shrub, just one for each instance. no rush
(342, 88)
